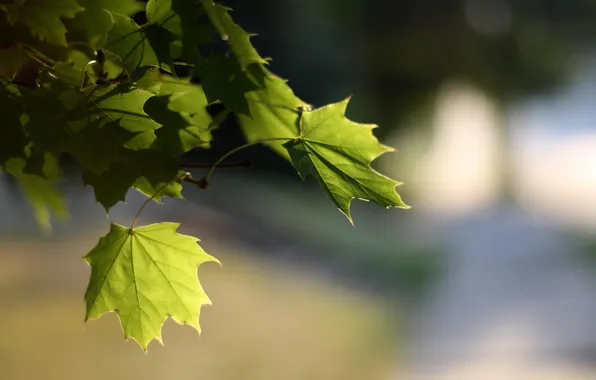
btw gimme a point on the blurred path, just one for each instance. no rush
(512, 305)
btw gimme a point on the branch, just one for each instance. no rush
(218, 163)
(200, 183)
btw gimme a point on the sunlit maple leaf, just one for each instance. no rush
(146, 274)
(338, 152)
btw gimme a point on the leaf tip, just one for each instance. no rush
(346, 211)
(388, 149)
(215, 260)
(399, 203)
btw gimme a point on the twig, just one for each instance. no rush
(200, 183)
(217, 163)
(134, 221)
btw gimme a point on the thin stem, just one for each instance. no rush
(36, 55)
(239, 148)
(84, 73)
(180, 63)
(241, 164)
(134, 221)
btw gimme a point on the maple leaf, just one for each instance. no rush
(68, 73)
(92, 25)
(98, 145)
(64, 119)
(228, 78)
(77, 72)
(223, 79)
(12, 60)
(131, 44)
(182, 19)
(237, 38)
(146, 274)
(149, 171)
(36, 160)
(124, 7)
(182, 130)
(274, 111)
(181, 106)
(124, 104)
(43, 17)
(14, 140)
(338, 152)
(41, 191)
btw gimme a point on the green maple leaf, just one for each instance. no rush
(68, 73)
(223, 79)
(130, 43)
(76, 71)
(14, 140)
(338, 152)
(181, 106)
(162, 180)
(44, 17)
(237, 38)
(90, 111)
(112, 185)
(62, 118)
(92, 26)
(149, 171)
(124, 7)
(11, 59)
(146, 274)
(182, 131)
(36, 161)
(98, 145)
(41, 191)
(162, 43)
(274, 111)
(46, 121)
(150, 81)
(124, 104)
(182, 20)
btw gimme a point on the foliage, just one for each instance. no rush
(83, 78)
(146, 273)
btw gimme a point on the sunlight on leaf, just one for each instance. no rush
(337, 152)
(146, 274)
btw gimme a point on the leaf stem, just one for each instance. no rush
(241, 164)
(134, 221)
(36, 55)
(84, 73)
(237, 149)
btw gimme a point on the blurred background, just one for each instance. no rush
(491, 274)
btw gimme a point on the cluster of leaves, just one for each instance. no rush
(83, 78)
